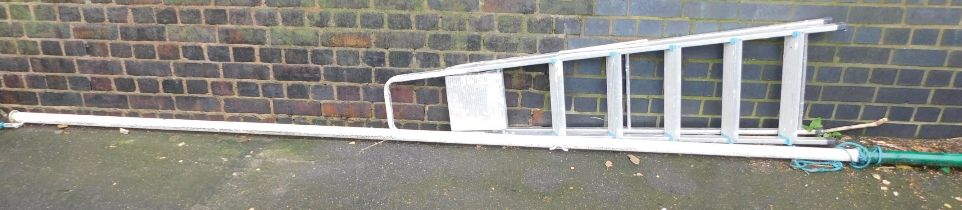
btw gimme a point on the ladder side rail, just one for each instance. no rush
(556, 88)
(615, 114)
(793, 82)
(731, 90)
(672, 93)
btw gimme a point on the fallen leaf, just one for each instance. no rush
(638, 174)
(352, 142)
(62, 126)
(958, 198)
(609, 164)
(181, 144)
(947, 205)
(884, 188)
(886, 182)
(896, 193)
(634, 159)
(876, 176)
(124, 131)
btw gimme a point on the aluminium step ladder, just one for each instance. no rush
(476, 99)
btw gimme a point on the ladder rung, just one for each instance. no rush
(793, 86)
(615, 106)
(557, 89)
(672, 93)
(731, 90)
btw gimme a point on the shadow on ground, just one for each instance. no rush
(94, 168)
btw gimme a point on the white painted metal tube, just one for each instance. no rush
(469, 138)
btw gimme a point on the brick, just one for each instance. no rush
(148, 68)
(11, 30)
(611, 7)
(289, 3)
(248, 89)
(266, 17)
(197, 87)
(902, 96)
(847, 94)
(712, 10)
(142, 14)
(105, 101)
(915, 57)
(46, 30)
(13, 81)
(166, 16)
(427, 22)
(910, 77)
(952, 115)
(242, 36)
(19, 12)
(292, 17)
(221, 88)
(148, 85)
(623, 27)
(596, 26)
(400, 58)
(15, 64)
(246, 71)
(454, 22)
(350, 4)
(52, 65)
(28, 47)
(239, 17)
(947, 97)
(829, 74)
(883, 76)
(187, 2)
(322, 92)
(173, 86)
(106, 67)
(122, 84)
(348, 74)
(36, 82)
(322, 57)
(952, 37)
(894, 130)
(348, 93)
(207, 70)
(18, 97)
(878, 15)
(863, 55)
(900, 113)
(270, 55)
(925, 37)
(938, 78)
(939, 131)
(200, 104)
(349, 110)
(656, 8)
(319, 19)
(215, 16)
(237, 2)
(55, 82)
(868, 35)
(294, 36)
(218, 53)
(296, 73)
(142, 33)
(764, 12)
(295, 56)
(409, 40)
(239, 105)
(45, 12)
(854, 75)
(510, 24)
(372, 20)
(243, 54)
(399, 21)
(272, 90)
(933, 16)
(144, 51)
(196, 34)
(193, 52)
(60, 99)
(151, 102)
(428, 60)
(509, 6)
(69, 13)
(294, 107)
(374, 58)
(347, 39)
(897, 36)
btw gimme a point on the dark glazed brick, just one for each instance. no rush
(348, 74)
(868, 35)
(952, 37)
(909, 77)
(237, 105)
(893, 130)
(863, 55)
(713, 10)
(854, 75)
(167, 16)
(296, 73)
(914, 57)
(94, 15)
(148, 85)
(427, 22)
(657, 8)
(347, 57)
(197, 87)
(266, 17)
(53, 65)
(14, 64)
(902, 96)
(18, 97)
(142, 33)
(925, 36)
(940, 131)
(897, 36)
(933, 16)
(348, 93)
(847, 94)
(428, 96)
(243, 54)
(152, 102)
(60, 99)
(952, 115)
(69, 14)
(36, 82)
(880, 15)
(400, 58)
(509, 6)
(239, 17)
(215, 16)
(846, 112)
(293, 107)
(322, 92)
(295, 56)
(345, 19)
(173, 86)
(106, 101)
(168, 52)
(927, 114)
(374, 58)
(938, 78)
(883, 76)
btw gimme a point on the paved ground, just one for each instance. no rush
(93, 168)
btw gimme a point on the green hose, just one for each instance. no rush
(877, 156)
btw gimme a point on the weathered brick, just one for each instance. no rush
(28, 47)
(11, 30)
(243, 105)
(12, 81)
(248, 89)
(374, 58)
(322, 57)
(122, 84)
(409, 40)
(939, 131)
(79, 83)
(349, 110)
(53, 65)
(240, 35)
(196, 103)
(292, 17)
(175, 86)
(144, 51)
(345, 19)
(215, 16)
(270, 55)
(69, 13)
(350, 4)
(193, 52)
(400, 58)
(243, 54)
(295, 107)
(863, 55)
(294, 36)
(297, 91)
(246, 71)
(142, 14)
(46, 30)
(272, 90)
(142, 33)
(145, 85)
(19, 12)
(221, 88)
(151, 102)
(105, 100)
(60, 99)
(18, 97)
(218, 53)
(238, 2)
(197, 87)
(56, 82)
(348, 74)
(289, 3)
(295, 56)
(208, 70)
(347, 39)
(187, 2)
(938, 78)
(15, 64)
(106, 67)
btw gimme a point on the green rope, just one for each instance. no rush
(830, 166)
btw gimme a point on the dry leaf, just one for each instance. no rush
(638, 174)
(947, 205)
(352, 142)
(634, 159)
(124, 131)
(609, 164)
(886, 182)
(62, 126)
(876, 176)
